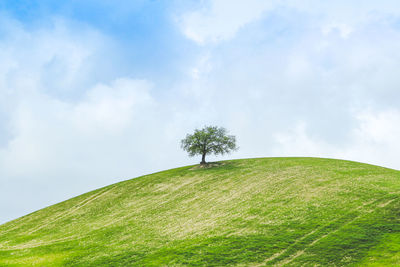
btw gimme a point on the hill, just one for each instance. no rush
(267, 211)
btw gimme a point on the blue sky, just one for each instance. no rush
(144, 31)
(95, 92)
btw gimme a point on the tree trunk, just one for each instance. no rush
(203, 159)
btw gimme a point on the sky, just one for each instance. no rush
(96, 92)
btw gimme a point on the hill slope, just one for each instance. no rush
(271, 211)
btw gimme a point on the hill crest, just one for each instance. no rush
(265, 211)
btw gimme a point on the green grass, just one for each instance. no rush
(253, 212)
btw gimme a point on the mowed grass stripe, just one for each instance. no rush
(53, 217)
(334, 227)
(71, 211)
(315, 235)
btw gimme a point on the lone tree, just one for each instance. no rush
(209, 140)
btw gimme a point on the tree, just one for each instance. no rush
(209, 140)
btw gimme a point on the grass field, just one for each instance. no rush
(253, 212)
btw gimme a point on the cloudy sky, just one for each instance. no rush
(98, 91)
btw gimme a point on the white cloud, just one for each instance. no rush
(373, 139)
(111, 108)
(376, 137)
(219, 20)
(58, 59)
(203, 67)
(343, 29)
(298, 142)
(215, 21)
(44, 127)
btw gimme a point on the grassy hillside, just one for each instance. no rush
(271, 211)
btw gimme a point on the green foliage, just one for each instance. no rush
(253, 212)
(209, 140)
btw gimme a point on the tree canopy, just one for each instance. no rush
(209, 140)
